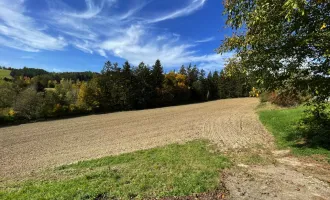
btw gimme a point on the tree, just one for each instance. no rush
(192, 73)
(215, 85)
(27, 72)
(234, 80)
(157, 74)
(277, 40)
(183, 70)
(29, 104)
(113, 94)
(7, 93)
(285, 44)
(127, 83)
(143, 89)
(89, 95)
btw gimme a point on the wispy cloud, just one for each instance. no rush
(22, 32)
(27, 57)
(205, 40)
(192, 6)
(132, 46)
(104, 27)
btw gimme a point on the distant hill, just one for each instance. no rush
(44, 75)
(28, 72)
(4, 73)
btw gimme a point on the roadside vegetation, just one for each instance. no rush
(290, 132)
(174, 170)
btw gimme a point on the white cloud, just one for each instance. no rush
(102, 53)
(205, 40)
(22, 32)
(132, 46)
(100, 28)
(190, 8)
(92, 10)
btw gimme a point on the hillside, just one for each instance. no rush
(217, 149)
(5, 74)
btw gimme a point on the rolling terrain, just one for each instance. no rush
(260, 171)
(29, 147)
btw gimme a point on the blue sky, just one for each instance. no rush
(80, 35)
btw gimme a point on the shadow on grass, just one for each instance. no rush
(314, 135)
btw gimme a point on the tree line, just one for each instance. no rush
(36, 94)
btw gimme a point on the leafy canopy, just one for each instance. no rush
(282, 40)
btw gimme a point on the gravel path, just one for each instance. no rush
(31, 147)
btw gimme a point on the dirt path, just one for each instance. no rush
(232, 124)
(229, 123)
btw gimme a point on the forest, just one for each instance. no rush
(35, 94)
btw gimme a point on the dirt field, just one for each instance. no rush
(231, 124)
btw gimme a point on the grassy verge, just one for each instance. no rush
(5, 74)
(174, 170)
(283, 124)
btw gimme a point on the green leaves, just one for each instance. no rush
(292, 6)
(281, 39)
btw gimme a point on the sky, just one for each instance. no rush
(81, 35)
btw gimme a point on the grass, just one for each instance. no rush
(174, 170)
(282, 123)
(5, 74)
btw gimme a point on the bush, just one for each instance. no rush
(7, 94)
(315, 125)
(264, 97)
(6, 115)
(284, 98)
(29, 104)
(255, 92)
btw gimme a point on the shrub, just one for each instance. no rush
(315, 125)
(284, 98)
(254, 92)
(29, 104)
(6, 115)
(264, 97)
(7, 94)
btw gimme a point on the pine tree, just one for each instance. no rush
(126, 68)
(183, 70)
(143, 86)
(157, 74)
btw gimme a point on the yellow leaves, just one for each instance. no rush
(181, 78)
(254, 92)
(181, 85)
(11, 113)
(324, 25)
(320, 1)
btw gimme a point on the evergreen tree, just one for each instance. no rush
(215, 85)
(127, 69)
(183, 70)
(127, 86)
(143, 86)
(157, 75)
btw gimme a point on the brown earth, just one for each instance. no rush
(29, 147)
(231, 124)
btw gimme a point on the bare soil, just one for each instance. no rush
(231, 124)
(30, 147)
(274, 182)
